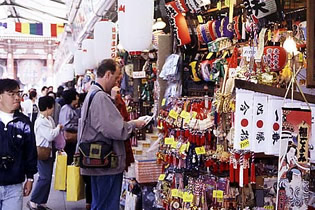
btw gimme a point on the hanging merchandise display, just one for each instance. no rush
(105, 40)
(135, 20)
(88, 59)
(224, 136)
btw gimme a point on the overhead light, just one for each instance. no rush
(159, 24)
(290, 45)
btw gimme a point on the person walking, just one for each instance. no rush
(104, 123)
(18, 155)
(45, 133)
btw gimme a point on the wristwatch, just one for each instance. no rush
(30, 180)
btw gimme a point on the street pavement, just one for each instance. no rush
(57, 200)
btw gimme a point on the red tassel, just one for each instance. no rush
(232, 178)
(246, 169)
(252, 170)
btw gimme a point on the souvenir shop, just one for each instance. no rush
(230, 86)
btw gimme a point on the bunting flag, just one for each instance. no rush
(4, 25)
(42, 29)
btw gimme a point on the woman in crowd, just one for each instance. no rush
(69, 117)
(45, 132)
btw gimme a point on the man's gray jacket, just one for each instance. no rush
(104, 123)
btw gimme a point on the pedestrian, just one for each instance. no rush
(104, 123)
(18, 155)
(44, 91)
(57, 107)
(45, 132)
(69, 117)
(30, 107)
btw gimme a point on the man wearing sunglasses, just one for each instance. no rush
(18, 155)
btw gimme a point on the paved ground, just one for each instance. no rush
(57, 200)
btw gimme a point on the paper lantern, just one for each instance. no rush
(77, 62)
(88, 60)
(275, 57)
(105, 41)
(67, 73)
(178, 23)
(135, 20)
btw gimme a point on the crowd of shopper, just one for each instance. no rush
(32, 121)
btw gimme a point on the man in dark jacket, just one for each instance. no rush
(18, 155)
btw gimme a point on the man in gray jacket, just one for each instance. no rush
(104, 123)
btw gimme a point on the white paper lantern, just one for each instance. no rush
(105, 40)
(135, 20)
(78, 64)
(67, 73)
(88, 59)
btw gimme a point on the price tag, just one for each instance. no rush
(225, 54)
(173, 114)
(163, 102)
(200, 19)
(169, 141)
(219, 5)
(200, 150)
(183, 148)
(214, 193)
(269, 34)
(188, 197)
(187, 147)
(161, 177)
(244, 144)
(174, 192)
(209, 55)
(269, 207)
(184, 114)
(180, 194)
(219, 194)
(300, 57)
(174, 145)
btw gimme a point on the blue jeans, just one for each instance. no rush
(106, 191)
(42, 187)
(11, 197)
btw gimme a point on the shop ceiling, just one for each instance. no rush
(51, 11)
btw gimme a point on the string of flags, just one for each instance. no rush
(41, 29)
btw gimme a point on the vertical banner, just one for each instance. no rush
(243, 119)
(294, 168)
(260, 113)
(274, 125)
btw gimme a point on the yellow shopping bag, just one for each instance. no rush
(75, 184)
(61, 171)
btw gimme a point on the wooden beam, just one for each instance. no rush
(271, 90)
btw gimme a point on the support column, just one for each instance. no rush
(11, 71)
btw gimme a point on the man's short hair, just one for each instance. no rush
(33, 94)
(8, 85)
(106, 65)
(44, 88)
(45, 102)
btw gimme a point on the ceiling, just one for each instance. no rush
(49, 11)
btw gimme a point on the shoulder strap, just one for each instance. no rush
(90, 101)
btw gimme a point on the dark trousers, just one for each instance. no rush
(106, 191)
(42, 188)
(70, 150)
(88, 190)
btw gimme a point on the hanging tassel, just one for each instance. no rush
(246, 168)
(241, 176)
(231, 168)
(252, 170)
(236, 168)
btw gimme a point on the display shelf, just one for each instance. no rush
(271, 90)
